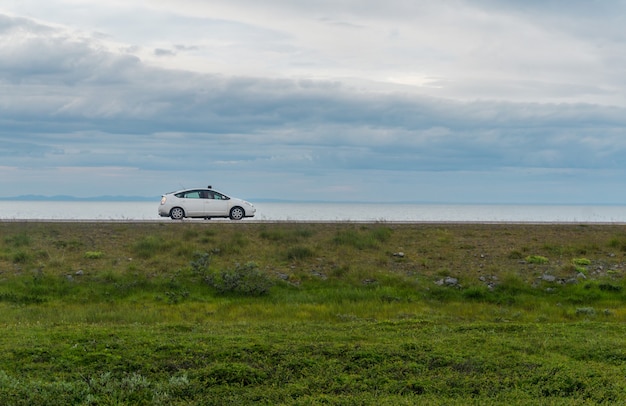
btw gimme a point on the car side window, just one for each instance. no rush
(202, 194)
(193, 195)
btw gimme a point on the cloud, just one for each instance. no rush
(80, 86)
(75, 101)
(469, 49)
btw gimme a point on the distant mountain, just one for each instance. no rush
(67, 198)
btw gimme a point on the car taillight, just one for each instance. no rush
(163, 199)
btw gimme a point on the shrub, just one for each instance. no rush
(512, 285)
(231, 374)
(244, 279)
(93, 254)
(586, 311)
(363, 240)
(303, 232)
(381, 234)
(200, 263)
(23, 299)
(618, 243)
(190, 234)
(19, 240)
(299, 252)
(274, 235)
(347, 237)
(277, 235)
(581, 261)
(148, 247)
(580, 269)
(20, 257)
(536, 259)
(609, 287)
(176, 296)
(476, 293)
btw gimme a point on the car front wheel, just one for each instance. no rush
(177, 213)
(237, 213)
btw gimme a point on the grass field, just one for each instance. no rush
(196, 312)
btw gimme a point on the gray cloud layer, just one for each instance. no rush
(71, 101)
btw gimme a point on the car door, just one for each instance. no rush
(216, 204)
(193, 204)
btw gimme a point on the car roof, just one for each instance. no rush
(192, 189)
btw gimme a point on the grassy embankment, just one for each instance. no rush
(236, 313)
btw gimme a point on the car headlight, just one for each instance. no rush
(163, 199)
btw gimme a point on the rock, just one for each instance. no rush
(448, 281)
(586, 311)
(318, 274)
(79, 272)
(489, 281)
(398, 254)
(548, 278)
(451, 281)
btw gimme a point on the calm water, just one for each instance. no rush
(10, 210)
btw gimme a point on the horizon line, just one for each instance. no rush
(131, 198)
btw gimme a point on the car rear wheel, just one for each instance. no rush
(177, 213)
(237, 213)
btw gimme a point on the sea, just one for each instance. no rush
(324, 212)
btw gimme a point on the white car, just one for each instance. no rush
(203, 203)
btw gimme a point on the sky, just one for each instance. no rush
(451, 101)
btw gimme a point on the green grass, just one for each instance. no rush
(242, 313)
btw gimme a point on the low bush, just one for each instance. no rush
(536, 259)
(364, 238)
(18, 240)
(200, 263)
(244, 279)
(21, 257)
(93, 254)
(148, 247)
(618, 242)
(299, 252)
(581, 261)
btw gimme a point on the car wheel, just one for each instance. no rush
(177, 213)
(236, 213)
